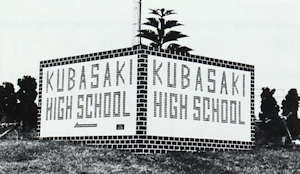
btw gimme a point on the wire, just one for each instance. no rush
(268, 30)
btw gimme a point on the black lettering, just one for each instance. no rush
(197, 108)
(155, 72)
(98, 105)
(224, 83)
(49, 109)
(157, 104)
(107, 76)
(206, 100)
(244, 92)
(130, 75)
(107, 103)
(54, 113)
(62, 81)
(183, 106)
(71, 79)
(125, 114)
(199, 80)
(174, 76)
(224, 117)
(88, 102)
(60, 115)
(213, 81)
(82, 78)
(80, 106)
(233, 112)
(234, 81)
(240, 117)
(69, 107)
(95, 76)
(215, 109)
(185, 76)
(119, 71)
(117, 104)
(49, 81)
(173, 107)
(166, 107)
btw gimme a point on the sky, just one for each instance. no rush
(264, 33)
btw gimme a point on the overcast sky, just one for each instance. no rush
(265, 33)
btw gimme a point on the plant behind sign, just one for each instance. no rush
(161, 35)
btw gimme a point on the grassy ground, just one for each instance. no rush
(33, 156)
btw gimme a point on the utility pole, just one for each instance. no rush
(137, 9)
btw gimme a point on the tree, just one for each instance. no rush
(26, 107)
(271, 124)
(290, 109)
(161, 36)
(18, 107)
(8, 102)
(269, 107)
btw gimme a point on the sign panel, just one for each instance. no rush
(187, 99)
(90, 98)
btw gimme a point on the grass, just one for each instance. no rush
(34, 156)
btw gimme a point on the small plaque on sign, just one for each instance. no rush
(120, 126)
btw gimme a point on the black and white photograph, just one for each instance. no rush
(149, 86)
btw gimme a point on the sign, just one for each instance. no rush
(90, 98)
(187, 99)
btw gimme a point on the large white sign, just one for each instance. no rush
(90, 98)
(194, 100)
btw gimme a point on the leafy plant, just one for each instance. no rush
(271, 124)
(8, 102)
(27, 109)
(290, 109)
(161, 35)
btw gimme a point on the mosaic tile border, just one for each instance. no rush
(141, 142)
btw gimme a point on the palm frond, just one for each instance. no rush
(173, 46)
(148, 34)
(169, 12)
(173, 36)
(172, 23)
(184, 49)
(152, 22)
(154, 11)
(178, 48)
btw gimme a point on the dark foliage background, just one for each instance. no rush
(19, 106)
(273, 127)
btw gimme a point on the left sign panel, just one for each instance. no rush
(90, 98)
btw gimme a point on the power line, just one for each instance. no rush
(268, 30)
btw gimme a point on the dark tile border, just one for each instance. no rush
(141, 142)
